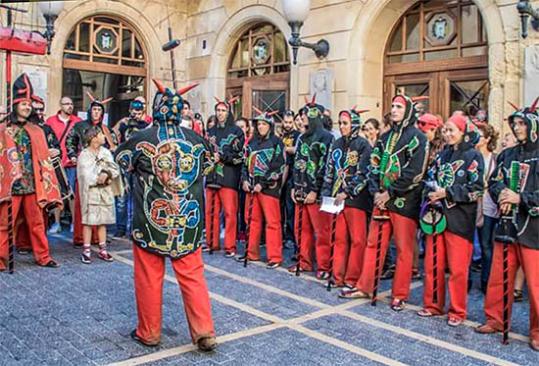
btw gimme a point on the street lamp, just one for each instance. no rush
(296, 11)
(50, 11)
(526, 10)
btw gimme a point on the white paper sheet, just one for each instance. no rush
(328, 205)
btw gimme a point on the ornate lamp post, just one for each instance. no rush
(526, 10)
(296, 11)
(50, 11)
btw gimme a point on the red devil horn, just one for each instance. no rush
(313, 101)
(219, 101)
(233, 100)
(184, 90)
(354, 107)
(107, 100)
(92, 98)
(514, 106)
(306, 99)
(419, 98)
(272, 113)
(160, 87)
(534, 105)
(363, 111)
(258, 110)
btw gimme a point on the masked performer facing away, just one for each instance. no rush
(168, 163)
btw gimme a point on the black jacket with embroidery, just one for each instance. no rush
(310, 160)
(228, 141)
(527, 158)
(460, 171)
(346, 172)
(75, 137)
(406, 165)
(264, 164)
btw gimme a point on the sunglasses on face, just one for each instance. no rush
(39, 109)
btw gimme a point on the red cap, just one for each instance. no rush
(428, 122)
(459, 121)
(399, 99)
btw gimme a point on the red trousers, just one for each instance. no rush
(404, 230)
(348, 259)
(313, 223)
(267, 209)
(77, 222)
(33, 214)
(149, 277)
(457, 252)
(519, 255)
(227, 198)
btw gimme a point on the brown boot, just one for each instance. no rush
(486, 329)
(207, 344)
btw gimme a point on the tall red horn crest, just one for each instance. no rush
(184, 90)
(233, 100)
(362, 111)
(313, 101)
(160, 87)
(419, 98)
(219, 101)
(258, 110)
(106, 100)
(534, 105)
(272, 113)
(92, 98)
(513, 105)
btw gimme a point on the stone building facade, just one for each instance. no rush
(355, 72)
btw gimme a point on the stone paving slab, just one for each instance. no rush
(517, 351)
(278, 347)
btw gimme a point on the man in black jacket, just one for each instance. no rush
(227, 141)
(517, 166)
(398, 163)
(309, 167)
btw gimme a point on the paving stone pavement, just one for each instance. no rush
(82, 315)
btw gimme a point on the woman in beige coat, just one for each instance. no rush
(99, 182)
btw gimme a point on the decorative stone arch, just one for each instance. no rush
(370, 35)
(130, 14)
(227, 36)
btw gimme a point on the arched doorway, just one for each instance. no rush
(259, 70)
(104, 56)
(439, 49)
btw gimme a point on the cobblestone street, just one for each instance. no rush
(82, 315)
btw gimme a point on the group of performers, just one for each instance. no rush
(183, 182)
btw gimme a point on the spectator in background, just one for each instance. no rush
(371, 130)
(487, 215)
(145, 116)
(62, 123)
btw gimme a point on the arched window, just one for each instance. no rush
(104, 56)
(439, 49)
(258, 70)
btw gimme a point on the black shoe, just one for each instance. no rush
(518, 296)
(207, 344)
(272, 265)
(24, 251)
(78, 245)
(85, 259)
(387, 274)
(51, 264)
(136, 338)
(241, 258)
(230, 254)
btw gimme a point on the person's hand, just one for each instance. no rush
(73, 160)
(102, 178)
(216, 157)
(505, 208)
(340, 198)
(311, 198)
(437, 195)
(508, 196)
(257, 188)
(246, 187)
(54, 152)
(293, 194)
(380, 200)
(290, 150)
